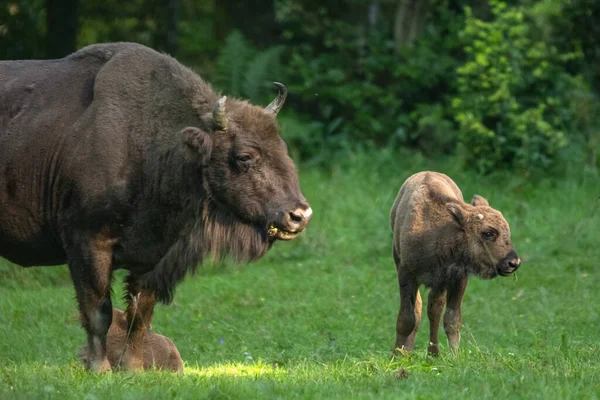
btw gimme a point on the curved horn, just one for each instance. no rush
(220, 114)
(276, 104)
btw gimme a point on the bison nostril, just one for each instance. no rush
(296, 216)
(515, 263)
(299, 218)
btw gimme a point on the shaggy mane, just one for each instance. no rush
(216, 235)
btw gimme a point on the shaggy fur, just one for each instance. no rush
(159, 351)
(439, 240)
(111, 158)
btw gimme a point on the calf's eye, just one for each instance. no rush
(489, 235)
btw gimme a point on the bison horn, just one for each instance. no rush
(220, 114)
(276, 104)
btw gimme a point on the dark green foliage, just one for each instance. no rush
(360, 89)
(513, 102)
(243, 71)
(489, 83)
(511, 85)
(22, 28)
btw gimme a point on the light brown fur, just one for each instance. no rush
(439, 240)
(158, 351)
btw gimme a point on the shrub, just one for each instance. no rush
(348, 75)
(512, 104)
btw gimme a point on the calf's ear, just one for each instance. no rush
(457, 213)
(479, 201)
(198, 141)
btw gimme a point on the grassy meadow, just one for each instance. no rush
(316, 317)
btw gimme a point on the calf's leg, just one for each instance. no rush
(453, 317)
(90, 268)
(409, 316)
(410, 341)
(435, 307)
(408, 320)
(140, 311)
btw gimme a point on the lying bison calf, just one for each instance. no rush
(439, 240)
(158, 351)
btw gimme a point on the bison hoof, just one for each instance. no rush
(433, 350)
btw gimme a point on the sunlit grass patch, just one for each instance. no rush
(259, 369)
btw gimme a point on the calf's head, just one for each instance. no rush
(487, 248)
(247, 167)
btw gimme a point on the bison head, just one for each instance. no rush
(488, 248)
(248, 172)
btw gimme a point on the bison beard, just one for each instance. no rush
(216, 234)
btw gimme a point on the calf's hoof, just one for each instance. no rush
(400, 351)
(96, 366)
(100, 367)
(131, 364)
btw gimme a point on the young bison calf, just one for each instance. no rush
(159, 351)
(439, 240)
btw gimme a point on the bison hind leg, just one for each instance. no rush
(409, 316)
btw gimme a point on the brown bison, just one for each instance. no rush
(158, 351)
(439, 240)
(120, 157)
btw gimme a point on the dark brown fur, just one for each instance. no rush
(158, 351)
(439, 240)
(120, 157)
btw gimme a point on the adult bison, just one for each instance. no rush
(119, 157)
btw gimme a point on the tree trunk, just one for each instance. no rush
(166, 14)
(62, 27)
(373, 14)
(409, 22)
(172, 33)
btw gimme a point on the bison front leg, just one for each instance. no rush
(453, 317)
(140, 311)
(435, 307)
(90, 269)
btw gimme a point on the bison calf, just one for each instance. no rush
(439, 240)
(158, 351)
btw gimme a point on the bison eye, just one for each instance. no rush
(244, 161)
(489, 235)
(244, 158)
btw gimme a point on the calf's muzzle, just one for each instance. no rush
(509, 264)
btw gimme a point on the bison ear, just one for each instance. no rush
(457, 213)
(479, 201)
(198, 141)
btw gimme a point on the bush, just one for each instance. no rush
(349, 76)
(22, 29)
(494, 84)
(512, 105)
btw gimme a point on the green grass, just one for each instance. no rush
(316, 317)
